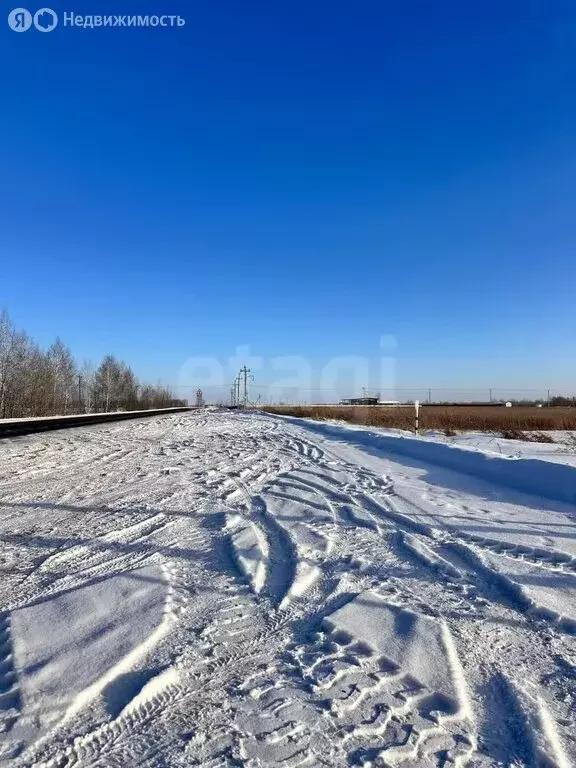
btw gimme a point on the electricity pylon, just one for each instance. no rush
(247, 375)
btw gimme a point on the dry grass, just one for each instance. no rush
(511, 422)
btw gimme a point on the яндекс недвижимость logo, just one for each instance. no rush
(20, 20)
(45, 20)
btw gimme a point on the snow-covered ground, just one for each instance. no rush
(561, 449)
(237, 589)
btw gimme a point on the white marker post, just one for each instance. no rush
(417, 409)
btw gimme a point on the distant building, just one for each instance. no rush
(360, 401)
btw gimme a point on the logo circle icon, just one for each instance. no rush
(20, 20)
(45, 20)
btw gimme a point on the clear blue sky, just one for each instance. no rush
(301, 177)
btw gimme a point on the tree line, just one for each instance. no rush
(563, 401)
(38, 382)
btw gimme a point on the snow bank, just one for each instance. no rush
(538, 477)
(562, 450)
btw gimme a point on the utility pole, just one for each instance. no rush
(80, 393)
(237, 389)
(232, 395)
(245, 371)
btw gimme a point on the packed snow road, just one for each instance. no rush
(229, 589)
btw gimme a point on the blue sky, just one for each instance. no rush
(301, 178)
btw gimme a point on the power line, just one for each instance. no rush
(377, 389)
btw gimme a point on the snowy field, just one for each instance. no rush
(228, 589)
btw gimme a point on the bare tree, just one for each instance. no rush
(64, 375)
(34, 382)
(87, 385)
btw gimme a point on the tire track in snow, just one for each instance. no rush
(526, 733)
(389, 514)
(240, 635)
(10, 695)
(546, 558)
(508, 587)
(283, 556)
(374, 668)
(73, 566)
(159, 693)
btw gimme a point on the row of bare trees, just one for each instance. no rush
(37, 382)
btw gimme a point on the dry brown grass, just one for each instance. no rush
(513, 421)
